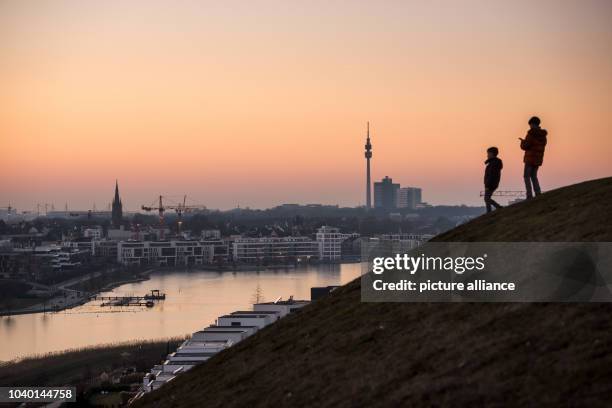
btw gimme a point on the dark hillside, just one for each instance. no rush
(576, 213)
(343, 353)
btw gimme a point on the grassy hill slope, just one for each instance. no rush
(343, 353)
(576, 213)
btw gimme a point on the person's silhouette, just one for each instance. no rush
(533, 145)
(492, 177)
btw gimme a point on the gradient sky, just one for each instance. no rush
(257, 103)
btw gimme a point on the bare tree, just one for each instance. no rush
(257, 296)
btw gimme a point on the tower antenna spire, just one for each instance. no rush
(368, 156)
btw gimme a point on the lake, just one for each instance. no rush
(194, 299)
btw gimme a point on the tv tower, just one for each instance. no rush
(368, 156)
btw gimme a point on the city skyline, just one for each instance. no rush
(265, 103)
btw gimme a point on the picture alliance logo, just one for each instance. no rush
(414, 264)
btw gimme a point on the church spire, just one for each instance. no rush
(117, 207)
(117, 199)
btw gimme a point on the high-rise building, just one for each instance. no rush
(385, 194)
(368, 156)
(409, 197)
(117, 208)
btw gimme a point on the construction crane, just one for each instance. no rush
(8, 209)
(46, 206)
(180, 208)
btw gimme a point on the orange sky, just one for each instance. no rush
(257, 103)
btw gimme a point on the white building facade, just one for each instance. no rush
(165, 253)
(329, 240)
(274, 249)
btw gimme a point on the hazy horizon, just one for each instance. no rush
(259, 103)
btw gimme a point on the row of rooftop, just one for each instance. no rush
(228, 330)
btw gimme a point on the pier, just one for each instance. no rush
(147, 300)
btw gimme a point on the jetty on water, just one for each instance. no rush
(147, 300)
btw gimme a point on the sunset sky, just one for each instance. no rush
(258, 103)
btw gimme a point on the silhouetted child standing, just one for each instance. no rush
(492, 177)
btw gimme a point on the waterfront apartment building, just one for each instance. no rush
(275, 249)
(165, 253)
(56, 257)
(105, 248)
(221, 249)
(330, 243)
(81, 244)
(326, 247)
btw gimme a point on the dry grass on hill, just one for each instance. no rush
(78, 365)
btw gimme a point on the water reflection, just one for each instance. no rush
(194, 300)
(8, 323)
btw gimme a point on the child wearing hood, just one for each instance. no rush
(492, 177)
